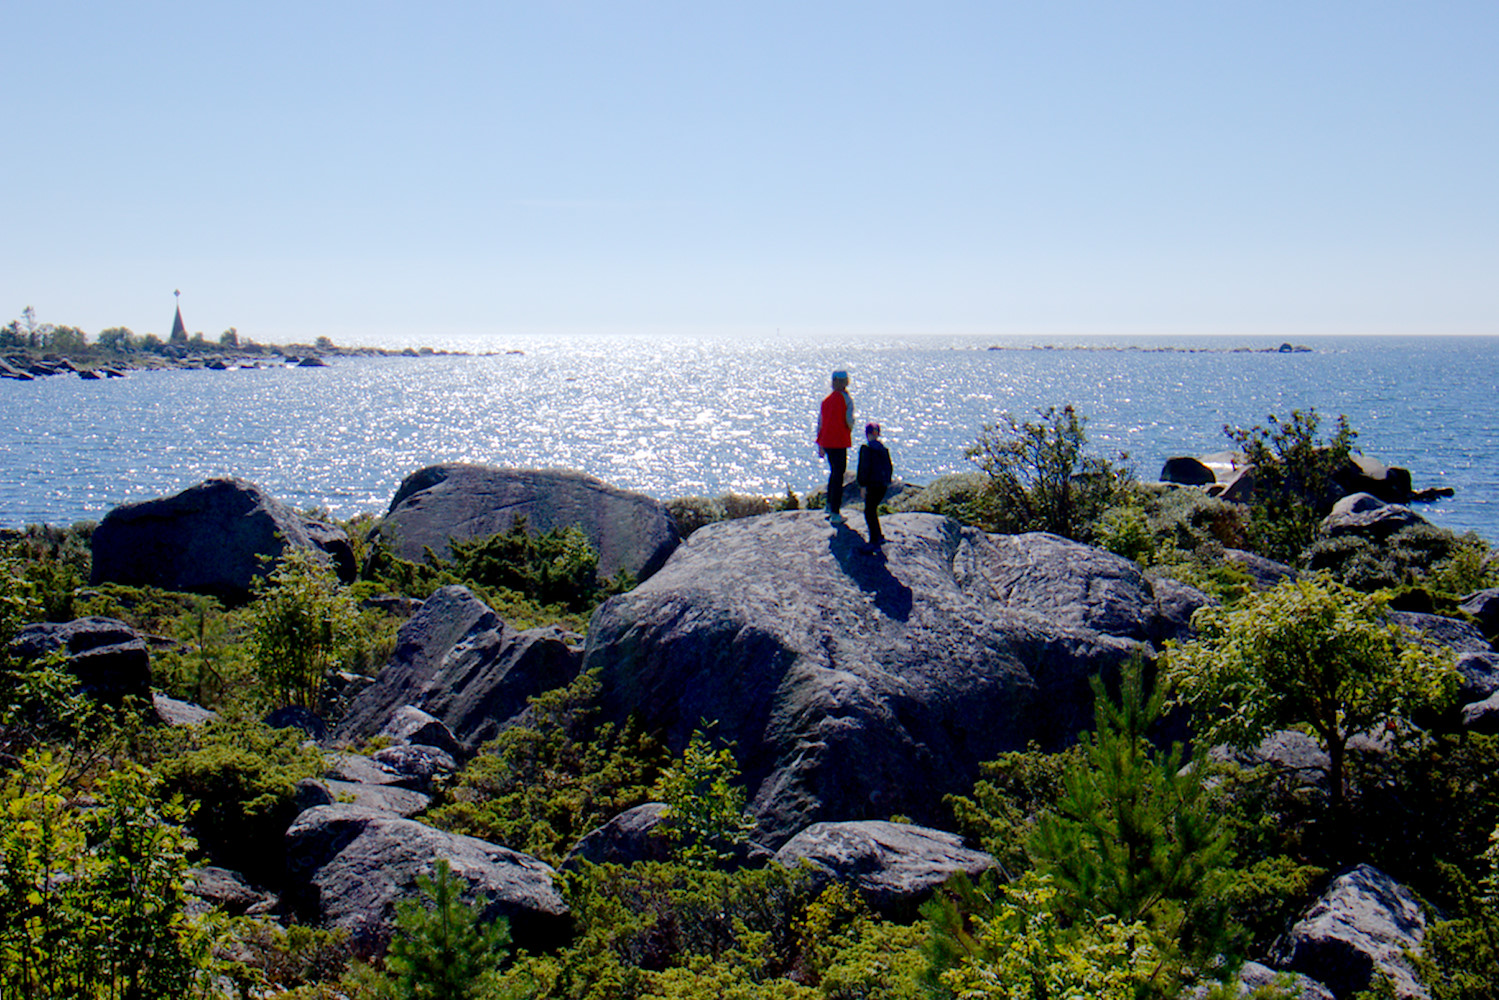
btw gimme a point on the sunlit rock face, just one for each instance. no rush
(859, 684)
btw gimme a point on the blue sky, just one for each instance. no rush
(388, 173)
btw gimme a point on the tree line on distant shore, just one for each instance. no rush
(25, 333)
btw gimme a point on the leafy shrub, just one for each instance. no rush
(692, 513)
(54, 563)
(90, 900)
(1014, 791)
(1307, 652)
(268, 959)
(705, 818)
(1295, 479)
(301, 623)
(950, 496)
(1447, 565)
(42, 706)
(1040, 479)
(544, 783)
(243, 777)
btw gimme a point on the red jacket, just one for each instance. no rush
(834, 429)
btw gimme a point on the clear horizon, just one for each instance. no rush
(388, 176)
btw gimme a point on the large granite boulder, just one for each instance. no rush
(214, 538)
(457, 661)
(627, 838)
(1359, 929)
(1367, 516)
(441, 503)
(109, 658)
(894, 866)
(348, 866)
(858, 684)
(1363, 474)
(1187, 471)
(1483, 605)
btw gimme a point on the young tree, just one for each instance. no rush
(116, 338)
(1295, 479)
(1309, 652)
(705, 815)
(442, 949)
(1039, 478)
(301, 623)
(1136, 838)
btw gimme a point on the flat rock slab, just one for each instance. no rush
(348, 866)
(894, 865)
(857, 684)
(109, 658)
(456, 501)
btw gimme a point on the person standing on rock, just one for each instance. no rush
(835, 425)
(873, 474)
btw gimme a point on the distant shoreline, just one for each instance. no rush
(27, 364)
(1286, 348)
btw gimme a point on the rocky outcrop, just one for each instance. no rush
(1360, 928)
(1265, 572)
(172, 712)
(1483, 605)
(1367, 516)
(855, 684)
(1388, 483)
(1253, 976)
(894, 866)
(457, 661)
(442, 503)
(348, 866)
(625, 839)
(1187, 471)
(386, 798)
(214, 538)
(109, 658)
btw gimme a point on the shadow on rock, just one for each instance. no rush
(868, 568)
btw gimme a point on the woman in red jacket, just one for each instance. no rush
(835, 425)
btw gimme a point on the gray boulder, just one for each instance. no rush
(1363, 474)
(172, 712)
(1480, 674)
(418, 767)
(624, 840)
(109, 658)
(1187, 471)
(1444, 632)
(457, 661)
(209, 539)
(348, 866)
(1360, 928)
(857, 684)
(225, 890)
(894, 865)
(387, 798)
(1482, 716)
(630, 531)
(1367, 516)
(1265, 572)
(1254, 976)
(1483, 605)
(1289, 757)
(410, 725)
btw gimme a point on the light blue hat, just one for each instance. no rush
(841, 374)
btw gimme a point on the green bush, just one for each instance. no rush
(54, 563)
(542, 784)
(705, 819)
(1295, 479)
(242, 776)
(301, 624)
(90, 900)
(1040, 479)
(1014, 791)
(1447, 566)
(1308, 652)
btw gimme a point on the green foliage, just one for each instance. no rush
(557, 567)
(1008, 800)
(51, 564)
(705, 818)
(442, 949)
(90, 900)
(1446, 565)
(951, 496)
(1024, 951)
(850, 954)
(301, 624)
(1295, 479)
(42, 706)
(1459, 957)
(692, 513)
(1136, 838)
(544, 783)
(1307, 652)
(268, 959)
(1040, 479)
(243, 777)
(19, 605)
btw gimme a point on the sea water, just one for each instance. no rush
(678, 416)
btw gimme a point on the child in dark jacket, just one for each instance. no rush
(874, 473)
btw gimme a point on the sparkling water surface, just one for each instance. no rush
(677, 416)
